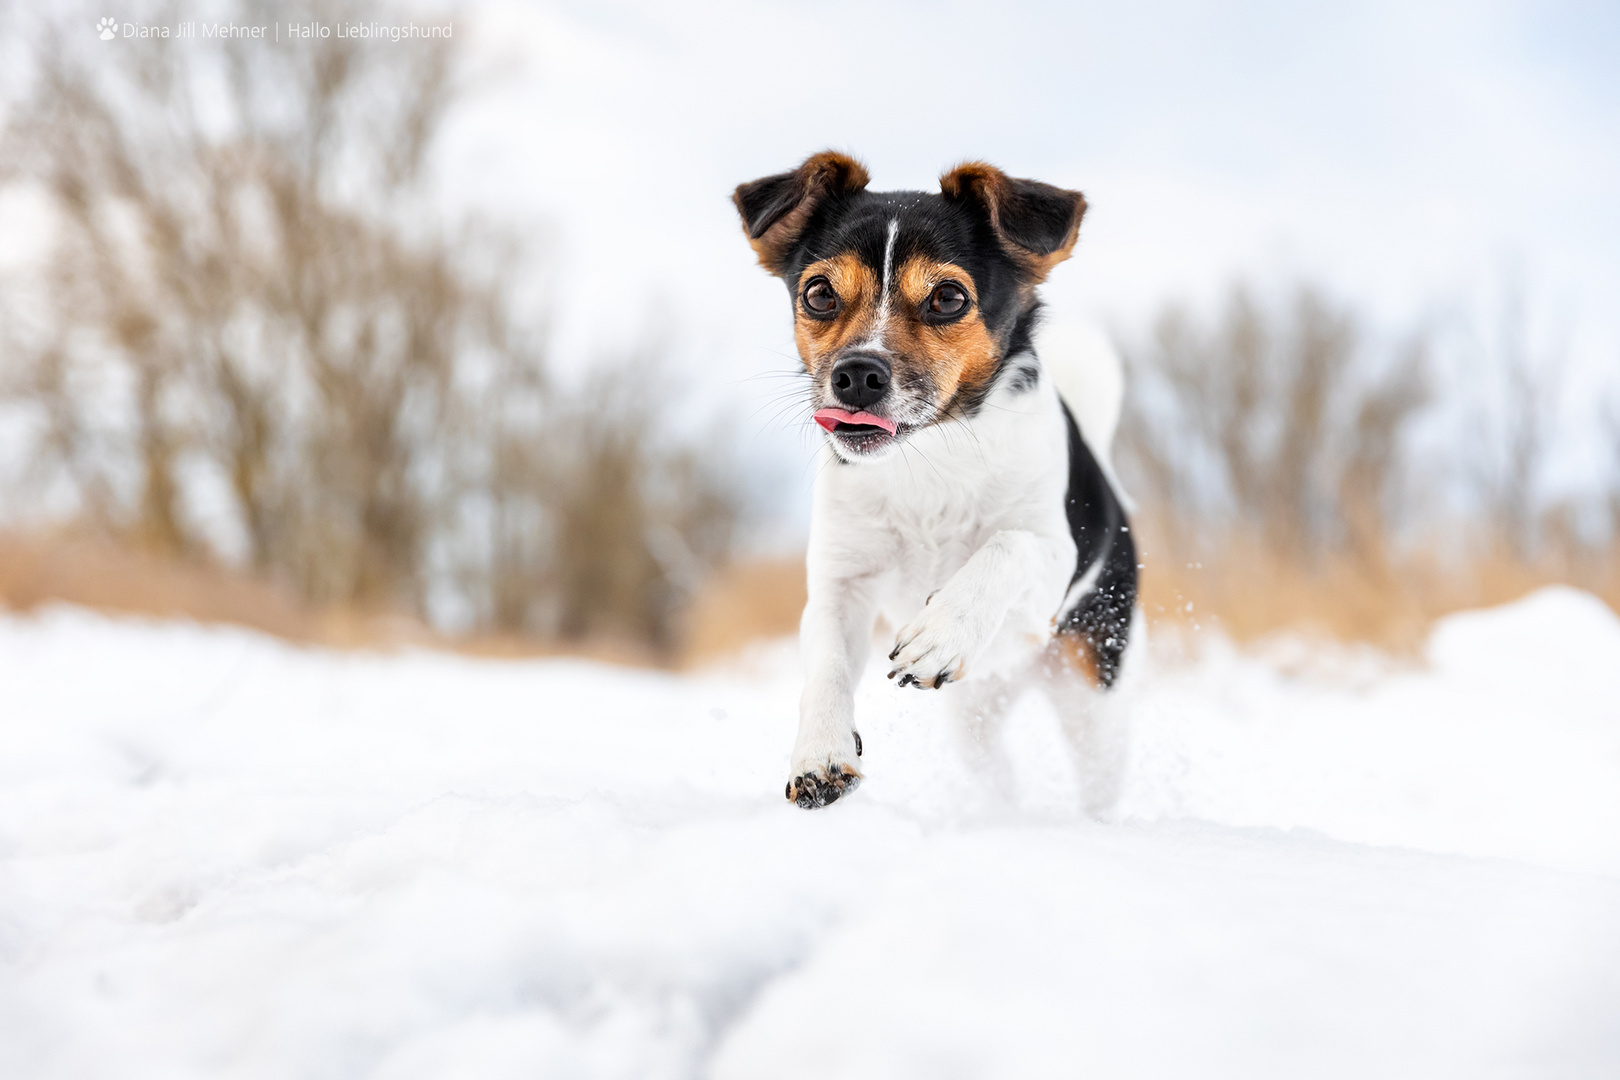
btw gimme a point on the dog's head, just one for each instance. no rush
(905, 304)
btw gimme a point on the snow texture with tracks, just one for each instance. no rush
(224, 856)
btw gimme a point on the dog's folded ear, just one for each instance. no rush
(776, 209)
(1036, 223)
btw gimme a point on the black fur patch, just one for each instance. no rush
(1102, 534)
(1023, 377)
(766, 201)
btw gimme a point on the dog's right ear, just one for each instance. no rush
(776, 209)
(1036, 223)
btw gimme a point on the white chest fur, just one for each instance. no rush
(912, 520)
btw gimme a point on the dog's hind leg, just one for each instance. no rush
(1093, 723)
(979, 707)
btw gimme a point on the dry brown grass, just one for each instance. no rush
(94, 572)
(1248, 592)
(1243, 591)
(741, 603)
(744, 602)
(97, 572)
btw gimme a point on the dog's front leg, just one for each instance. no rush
(835, 636)
(957, 623)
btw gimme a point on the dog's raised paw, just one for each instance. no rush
(927, 663)
(935, 648)
(819, 787)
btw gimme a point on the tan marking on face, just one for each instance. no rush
(956, 357)
(857, 287)
(960, 355)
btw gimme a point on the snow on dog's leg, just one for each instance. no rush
(980, 706)
(959, 621)
(836, 636)
(1092, 723)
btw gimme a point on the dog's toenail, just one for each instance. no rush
(857, 744)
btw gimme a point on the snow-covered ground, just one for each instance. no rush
(229, 857)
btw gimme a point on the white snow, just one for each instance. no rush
(222, 856)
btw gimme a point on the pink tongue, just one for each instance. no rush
(831, 418)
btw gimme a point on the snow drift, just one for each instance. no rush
(224, 856)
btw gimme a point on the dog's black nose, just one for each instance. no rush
(859, 381)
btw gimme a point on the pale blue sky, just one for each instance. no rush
(1388, 149)
(1409, 156)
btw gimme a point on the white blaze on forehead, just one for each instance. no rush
(888, 260)
(874, 340)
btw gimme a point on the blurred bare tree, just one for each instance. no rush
(1611, 439)
(1274, 451)
(250, 300)
(638, 520)
(1508, 469)
(1273, 425)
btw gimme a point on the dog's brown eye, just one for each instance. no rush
(948, 299)
(819, 297)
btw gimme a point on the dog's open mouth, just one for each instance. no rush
(855, 425)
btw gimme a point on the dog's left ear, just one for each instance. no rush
(1036, 223)
(776, 209)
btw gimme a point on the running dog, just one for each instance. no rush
(959, 498)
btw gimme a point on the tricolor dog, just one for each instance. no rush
(958, 497)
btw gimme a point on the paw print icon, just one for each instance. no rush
(106, 28)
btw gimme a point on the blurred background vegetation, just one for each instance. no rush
(254, 347)
(255, 373)
(1292, 471)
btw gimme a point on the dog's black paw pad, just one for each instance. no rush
(813, 790)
